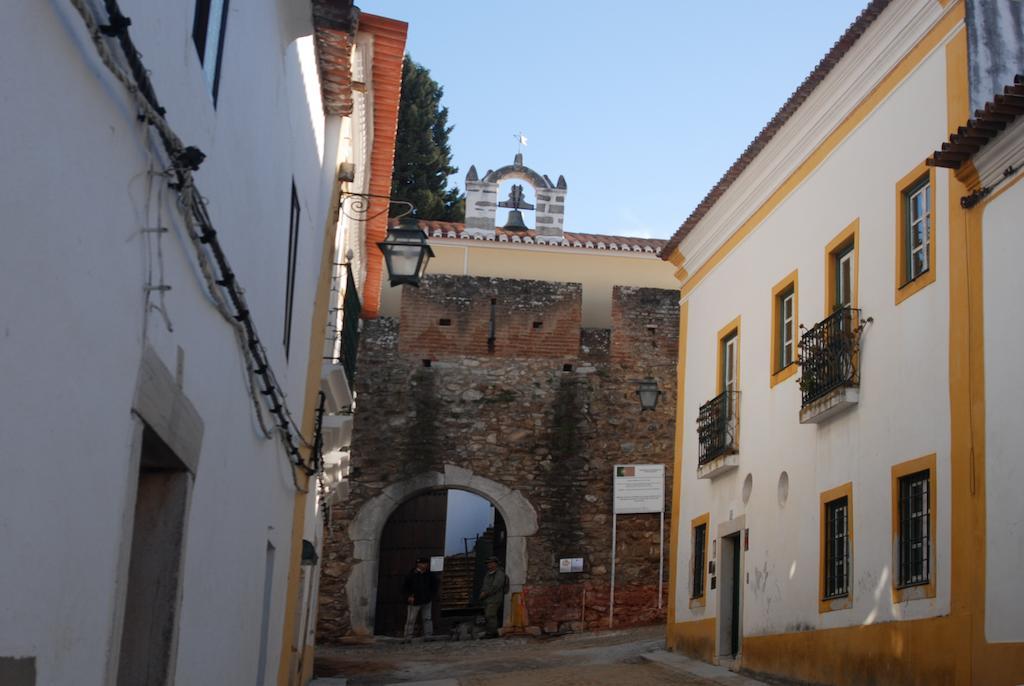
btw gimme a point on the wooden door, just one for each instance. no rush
(415, 529)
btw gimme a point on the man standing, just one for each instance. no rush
(420, 587)
(492, 594)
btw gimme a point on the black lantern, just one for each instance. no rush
(406, 252)
(647, 390)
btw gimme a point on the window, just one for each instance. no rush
(729, 366)
(293, 249)
(208, 28)
(784, 334)
(841, 264)
(699, 535)
(915, 232)
(913, 493)
(699, 559)
(916, 229)
(836, 549)
(729, 363)
(915, 543)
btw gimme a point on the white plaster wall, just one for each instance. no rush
(71, 321)
(903, 411)
(1004, 434)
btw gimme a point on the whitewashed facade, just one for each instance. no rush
(128, 406)
(820, 218)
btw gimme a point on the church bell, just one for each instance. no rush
(515, 221)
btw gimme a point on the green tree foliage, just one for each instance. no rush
(422, 154)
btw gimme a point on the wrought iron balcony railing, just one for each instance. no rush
(828, 355)
(718, 426)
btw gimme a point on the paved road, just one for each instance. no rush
(612, 658)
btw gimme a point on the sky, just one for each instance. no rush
(642, 106)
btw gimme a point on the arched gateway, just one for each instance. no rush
(368, 524)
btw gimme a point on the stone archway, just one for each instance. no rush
(367, 526)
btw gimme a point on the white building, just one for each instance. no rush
(154, 535)
(848, 425)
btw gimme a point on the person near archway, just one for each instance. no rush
(420, 588)
(492, 593)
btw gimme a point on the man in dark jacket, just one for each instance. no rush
(420, 587)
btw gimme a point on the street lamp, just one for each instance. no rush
(648, 392)
(406, 252)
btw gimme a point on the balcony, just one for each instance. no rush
(829, 362)
(718, 424)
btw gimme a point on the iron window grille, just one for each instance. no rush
(699, 535)
(837, 548)
(915, 529)
(718, 426)
(828, 354)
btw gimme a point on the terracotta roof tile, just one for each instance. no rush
(388, 52)
(592, 241)
(987, 123)
(334, 23)
(824, 67)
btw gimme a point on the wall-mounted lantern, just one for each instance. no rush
(648, 392)
(406, 253)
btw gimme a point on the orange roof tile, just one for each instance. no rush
(591, 241)
(388, 51)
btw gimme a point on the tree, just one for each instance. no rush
(422, 155)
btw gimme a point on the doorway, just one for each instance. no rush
(459, 530)
(153, 596)
(730, 603)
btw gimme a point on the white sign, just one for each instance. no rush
(639, 488)
(437, 563)
(570, 564)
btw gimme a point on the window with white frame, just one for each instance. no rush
(916, 229)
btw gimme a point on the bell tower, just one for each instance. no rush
(482, 200)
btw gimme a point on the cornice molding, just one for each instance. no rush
(881, 49)
(1006, 150)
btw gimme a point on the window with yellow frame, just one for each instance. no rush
(784, 329)
(836, 575)
(913, 528)
(698, 559)
(915, 232)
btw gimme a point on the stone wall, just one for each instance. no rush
(544, 412)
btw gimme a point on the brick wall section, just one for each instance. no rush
(516, 416)
(451, 316)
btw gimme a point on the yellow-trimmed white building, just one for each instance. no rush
(846, 460)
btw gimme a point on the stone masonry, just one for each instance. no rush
(493, 386)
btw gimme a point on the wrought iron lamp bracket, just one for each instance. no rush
(356, 206)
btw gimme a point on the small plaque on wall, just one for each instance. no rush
(437, 563)
(569, 565)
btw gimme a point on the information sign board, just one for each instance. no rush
(639, 488)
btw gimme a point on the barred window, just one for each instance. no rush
(915, 529)
(837, 548)
(699, 537)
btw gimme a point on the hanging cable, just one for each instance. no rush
(226, 294)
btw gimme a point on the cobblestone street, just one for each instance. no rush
(634, 656)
